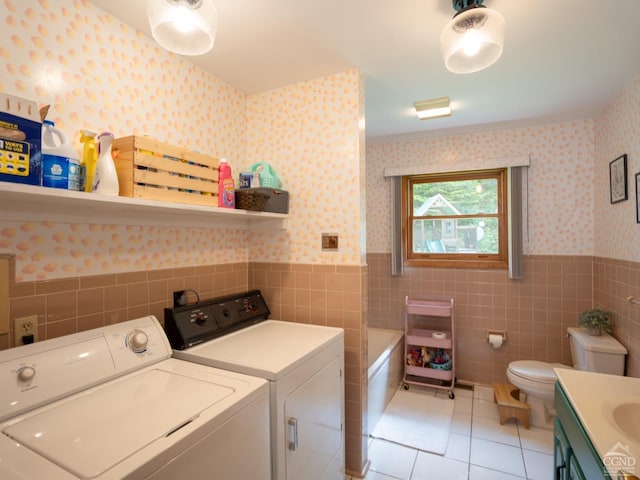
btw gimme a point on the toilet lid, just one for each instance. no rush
(535, 370)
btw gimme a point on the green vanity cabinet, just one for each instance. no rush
(575, 458)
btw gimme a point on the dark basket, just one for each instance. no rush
(248, 199)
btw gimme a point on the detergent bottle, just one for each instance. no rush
(89, 157)
(226, 186)
(60, 161)
(106, 178)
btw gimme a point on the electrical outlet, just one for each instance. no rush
(329, 241)
(23, 328)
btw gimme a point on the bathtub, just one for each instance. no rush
(386, 348)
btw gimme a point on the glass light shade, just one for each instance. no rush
(473, 40)
(185, 27)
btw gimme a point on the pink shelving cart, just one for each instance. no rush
(429, 342)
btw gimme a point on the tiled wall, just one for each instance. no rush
(316, 294)
(615, 281)
(80, 303)
(534, 312)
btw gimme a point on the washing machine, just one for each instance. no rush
(303, 364)
(111, 403)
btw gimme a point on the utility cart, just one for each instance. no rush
(429, 343)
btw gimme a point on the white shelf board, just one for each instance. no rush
(32, 203)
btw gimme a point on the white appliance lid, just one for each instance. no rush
(535, 370)
(269, 349)
(597, 343)
(93, 431)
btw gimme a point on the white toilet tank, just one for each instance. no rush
(601, 354)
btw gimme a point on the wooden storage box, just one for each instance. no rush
(157, 171)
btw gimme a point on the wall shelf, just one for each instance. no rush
(32, 203)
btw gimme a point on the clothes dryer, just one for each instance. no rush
(303, 364)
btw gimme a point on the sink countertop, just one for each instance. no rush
(594, 397)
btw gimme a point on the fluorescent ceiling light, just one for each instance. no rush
(434, 108)
(185, 27)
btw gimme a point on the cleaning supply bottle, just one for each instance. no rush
(89, 157)
(60, 161)
(106, 178)
(226, 186)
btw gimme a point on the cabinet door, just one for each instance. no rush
(560, 451)
(314, 415)
(575, 473)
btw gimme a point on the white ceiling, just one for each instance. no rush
(562, 60)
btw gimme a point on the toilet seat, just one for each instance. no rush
(535, 371)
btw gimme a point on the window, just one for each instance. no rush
(456, 219)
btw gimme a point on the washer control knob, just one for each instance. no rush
(137, 341)
(26, 373)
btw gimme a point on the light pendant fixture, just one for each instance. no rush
(473, 39)
(433, 108)
(185, 27)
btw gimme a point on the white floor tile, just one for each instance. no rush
(461, 423)
(482, 392)
(444, 394)
(537, 439)
(481, 473)
(392, 459)
(497, 456)
(539, 466)
(463, 405)
(429, 466)
(377, 476)
(463, 392)
(490, 429)
(479, 448)
(458, 447)
(424, 389)
(484, 408)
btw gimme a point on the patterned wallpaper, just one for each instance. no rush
(560, 180)
(617, 235)
(311, 133)
(98, 73)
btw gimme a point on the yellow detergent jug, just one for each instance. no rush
(89, 157)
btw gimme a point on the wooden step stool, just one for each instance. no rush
(509, 405)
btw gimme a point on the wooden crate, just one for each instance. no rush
(158, 171)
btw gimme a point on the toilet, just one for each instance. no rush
(536, 380)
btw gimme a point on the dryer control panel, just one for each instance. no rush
(198, 322)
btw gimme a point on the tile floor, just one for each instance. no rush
(479, 447)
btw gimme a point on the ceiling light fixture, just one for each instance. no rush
(434, 108)
(185, 27)
(473, 39)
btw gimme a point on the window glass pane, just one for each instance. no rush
(462, 197)
(456, 235)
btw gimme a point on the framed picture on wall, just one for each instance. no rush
(618, 179)
(637, 197)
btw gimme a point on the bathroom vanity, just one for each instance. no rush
(596, 428)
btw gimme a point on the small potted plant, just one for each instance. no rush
(596, 321)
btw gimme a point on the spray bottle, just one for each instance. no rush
(107, 177)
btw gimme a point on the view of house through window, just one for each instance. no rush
(456, 217)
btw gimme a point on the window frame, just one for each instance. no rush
(457, 260)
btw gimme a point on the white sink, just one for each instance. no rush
(608, 407)
(627, 418)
